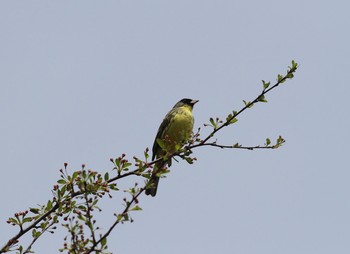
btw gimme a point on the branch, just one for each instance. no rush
(60, 205)
(260, 98)
(89, 222)
(72, 195)
(15, 238)
(279, 142)
(119, 219)
(28, 250)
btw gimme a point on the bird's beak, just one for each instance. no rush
(194, 102)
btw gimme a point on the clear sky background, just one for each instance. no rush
(83, 81)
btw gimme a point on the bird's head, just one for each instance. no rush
(186, 102)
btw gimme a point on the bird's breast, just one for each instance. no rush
(181, 126)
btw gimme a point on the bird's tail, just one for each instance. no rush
(153, 182)
(152, 190)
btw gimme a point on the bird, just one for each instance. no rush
(174, 132)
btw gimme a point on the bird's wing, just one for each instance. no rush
(160, 134)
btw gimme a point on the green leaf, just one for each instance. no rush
(126, 165)
(28, 219)
(82, 208)
(228, 118)
(236, 145)
(34, 233)
(233, 120)
(38, 234)
(34, 210)
(126, 217)
(189, 160)
(268, 141)
(75, 174)
(294, 65)
(113, 186)
(63, 190)
(146, 154)
(280, 78)
(136, 208)
(49, 205)
(280, 140)
(265, 85)
(106, 176)
(43, 225)
(212, 121)
(261, 98)
(290, 75)
(104, 241)
(12, 220)
(162, 173)
(117, 162)
(147, 176)
(61, 181)
(248, 104)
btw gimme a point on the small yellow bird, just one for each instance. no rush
(173, 133)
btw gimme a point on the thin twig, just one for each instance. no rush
(126, 210)
(88, 214)
(240, 146)
(36, 238)
(248, 105)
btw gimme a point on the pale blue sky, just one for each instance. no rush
(83, 81)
